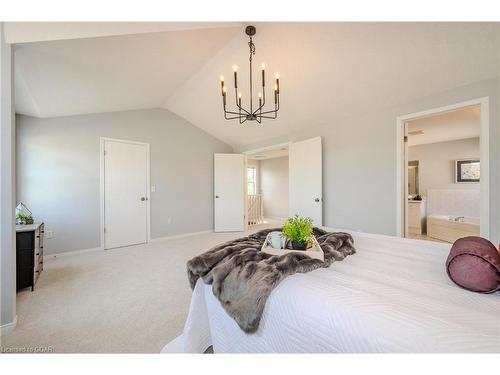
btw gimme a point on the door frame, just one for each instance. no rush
(401, 160)
(101, 186)
(260, 149)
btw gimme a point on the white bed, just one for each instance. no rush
(393, 295)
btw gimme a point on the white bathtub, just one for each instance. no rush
(447, 228)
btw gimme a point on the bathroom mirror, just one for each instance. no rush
(413, 177)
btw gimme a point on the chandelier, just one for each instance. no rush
(251, 114)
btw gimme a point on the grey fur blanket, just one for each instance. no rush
(243, 277)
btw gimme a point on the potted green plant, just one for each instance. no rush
(299, 231)
(24, 218)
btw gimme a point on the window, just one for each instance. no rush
(251, 181)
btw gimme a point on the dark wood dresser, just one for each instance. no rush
(29, 254)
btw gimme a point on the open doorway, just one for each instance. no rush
(267, 190)
(445, 173)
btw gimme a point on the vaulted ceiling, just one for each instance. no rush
(327, 70)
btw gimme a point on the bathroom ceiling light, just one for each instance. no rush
(416, 132)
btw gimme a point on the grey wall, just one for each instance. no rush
(58, 172)
(436, 168)
(7, 184)
(360, 166)
(274, 186)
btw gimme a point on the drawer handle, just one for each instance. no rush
(37, 271)
(37, 253)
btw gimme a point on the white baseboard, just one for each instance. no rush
(75, 252)
(9, 327)
(158, 239)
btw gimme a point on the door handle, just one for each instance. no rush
(216, 196)
(143, 199)
(316, 200)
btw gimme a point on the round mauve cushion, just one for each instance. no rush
(474, 264)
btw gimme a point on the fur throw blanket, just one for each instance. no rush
(243, 277)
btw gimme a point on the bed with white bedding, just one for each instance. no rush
(393, 295)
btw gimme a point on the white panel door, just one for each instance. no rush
(229, 190)
(305, 175)
(125, 193)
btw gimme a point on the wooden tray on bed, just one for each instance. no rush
(314, 251)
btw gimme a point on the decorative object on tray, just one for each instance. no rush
(23, 214)
(276, 240)
(467, 171)
(242, 276)
(299, 231)
(313, 248)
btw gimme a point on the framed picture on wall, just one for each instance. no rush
(467, 171)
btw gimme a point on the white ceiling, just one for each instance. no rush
(269, 153)
(24, 32)
(449, 126)
(327, 71)
(70, 77)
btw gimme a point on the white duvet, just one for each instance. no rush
(393, 295)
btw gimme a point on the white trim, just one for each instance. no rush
(401, 186)
(101, 185)
(9, 327)
(72, 252)
(245, 193)
(183, 235)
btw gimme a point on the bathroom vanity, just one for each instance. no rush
(417, 214)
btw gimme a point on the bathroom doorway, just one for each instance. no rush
(443, 172)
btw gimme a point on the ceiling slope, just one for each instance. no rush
(26, 32)
(327, 71)
(92, 75)
(335, 70)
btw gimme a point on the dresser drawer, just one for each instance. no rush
(29, 254)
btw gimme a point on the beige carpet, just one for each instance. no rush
(128, 300)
